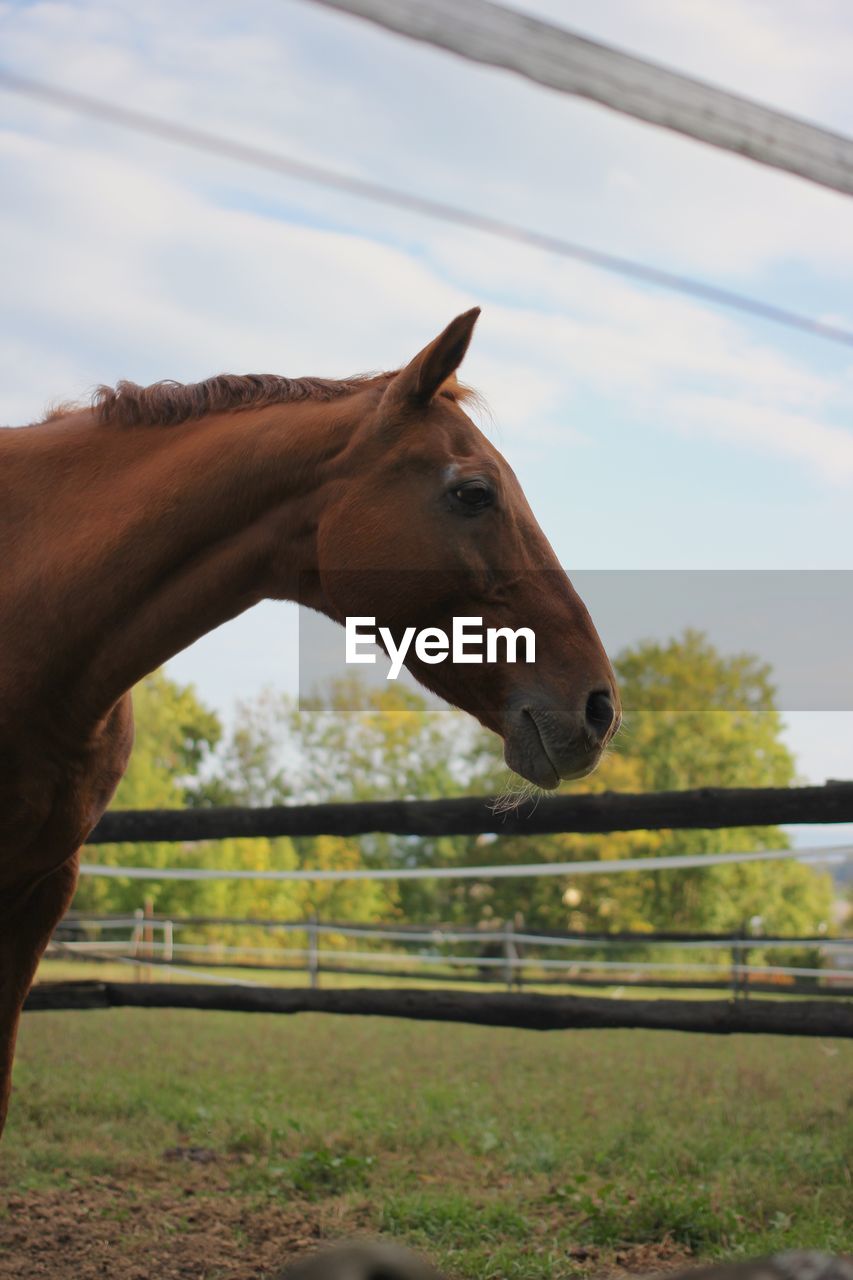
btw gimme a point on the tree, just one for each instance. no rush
(172, 766)
(175, 738)
(698, 718)
(356, 743)
(693, 717)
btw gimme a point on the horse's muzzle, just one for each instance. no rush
(547, 747)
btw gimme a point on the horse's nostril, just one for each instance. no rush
(600, 713)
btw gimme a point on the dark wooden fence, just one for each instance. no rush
(707, 807)
(493, 1009)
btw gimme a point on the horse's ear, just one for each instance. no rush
(418, 382)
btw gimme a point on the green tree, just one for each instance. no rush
(174, 739)
(357, 743)
(693, 718)
(699, 718)
(172, 766)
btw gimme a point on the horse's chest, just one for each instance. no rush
(50, 797)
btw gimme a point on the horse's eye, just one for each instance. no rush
(473, 496)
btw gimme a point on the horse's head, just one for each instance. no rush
(427, 523)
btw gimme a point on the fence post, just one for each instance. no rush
(313, 957)
(148, 935)
(510, 954)
(135, 941)
(740, 980)
(168, 939)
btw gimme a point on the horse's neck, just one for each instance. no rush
(139, 540)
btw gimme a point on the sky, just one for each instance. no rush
(649, 431)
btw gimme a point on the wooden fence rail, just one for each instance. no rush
(549, 55)
(443, 932)
(532, 1012)
(510, 949)
(706, 807)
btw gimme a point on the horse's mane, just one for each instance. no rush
(167, 403)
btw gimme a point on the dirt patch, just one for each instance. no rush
(643, 1260)
(103, 1229)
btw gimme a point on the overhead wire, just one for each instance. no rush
(201, 140)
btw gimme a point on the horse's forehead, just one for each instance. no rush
(450, 439)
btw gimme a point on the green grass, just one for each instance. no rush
(64, 970)
(499, 1153)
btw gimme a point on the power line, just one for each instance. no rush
(552, 56)
(276, 162)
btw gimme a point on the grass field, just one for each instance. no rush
(178, 1144)
(74, 969)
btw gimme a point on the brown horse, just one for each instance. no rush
(132, 527)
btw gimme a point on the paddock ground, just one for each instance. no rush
(215, 1146)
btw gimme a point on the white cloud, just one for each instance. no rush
(130, 258)
(769, 430)
(168, 283)
(187, 288)
(340, 92)
(780, 52)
